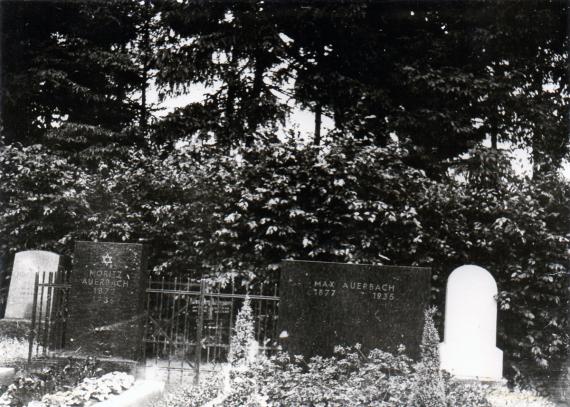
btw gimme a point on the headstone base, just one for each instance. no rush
(472, 364)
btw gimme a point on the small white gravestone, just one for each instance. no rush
(469, 348)
(21, 292)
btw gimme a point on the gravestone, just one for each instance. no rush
(21, 292)
(327, 304)
(106, 300)
(469, 348)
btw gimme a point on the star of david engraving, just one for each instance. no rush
(107, 260)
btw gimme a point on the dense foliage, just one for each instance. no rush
(68, 62)
(34, 385)
(90, 390)
(349, 201)
(216, 188)
(349, 378)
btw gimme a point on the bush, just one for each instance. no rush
(241, 213)
(349, 378)
(33, 386)
(460, 393)
(90, 389)
(193, 395)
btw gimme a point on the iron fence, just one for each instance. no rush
(3, 300)
(190, 323)
(49, 314)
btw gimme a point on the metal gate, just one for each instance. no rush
(189, 323)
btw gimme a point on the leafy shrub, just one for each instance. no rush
(89, 389)
(461, 393)
(32, 386)
(193, 395)
(244, 212)
(348, 378)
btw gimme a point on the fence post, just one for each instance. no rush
(65, 304)
(33, 327)
(48, 317)
(199, 330)
(146, 322)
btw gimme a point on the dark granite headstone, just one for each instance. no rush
(327, 304)
(106, 304)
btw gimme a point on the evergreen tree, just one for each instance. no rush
(243, 337)
(440, 77)
(69, 62)
(430, 391)
(232, 48)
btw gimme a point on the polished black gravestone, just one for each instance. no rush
(327, 304)
(106, 300)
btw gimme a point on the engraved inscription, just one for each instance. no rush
(324, 288)
(105, 282)
(329, 288)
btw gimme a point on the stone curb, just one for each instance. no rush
(141, 394)
(7, 375)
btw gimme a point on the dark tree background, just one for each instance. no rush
(427, 99)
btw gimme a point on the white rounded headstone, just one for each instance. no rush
(469, 348)
(21, 292)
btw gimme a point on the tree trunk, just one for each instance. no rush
(253, 112)
(318, 114)
(230, 129)
(319, 105)
(145, 59)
